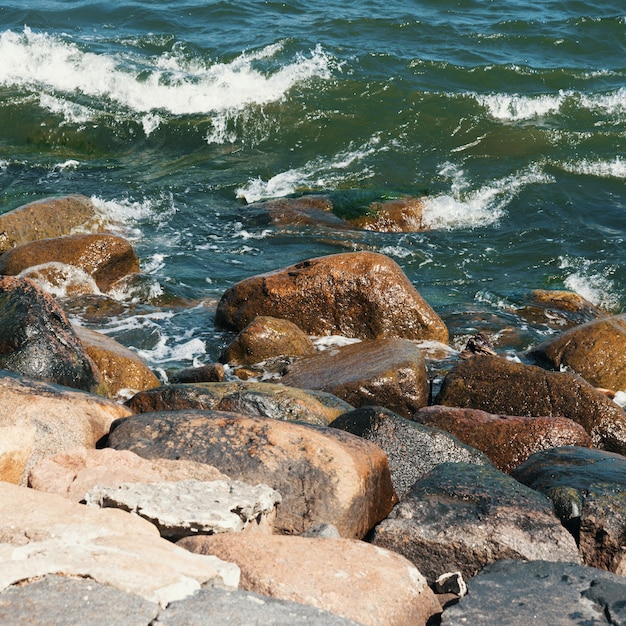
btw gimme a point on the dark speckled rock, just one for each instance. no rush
(588, 488)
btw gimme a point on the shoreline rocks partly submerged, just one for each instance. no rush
(347, 502)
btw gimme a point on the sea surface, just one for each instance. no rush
(510, 117)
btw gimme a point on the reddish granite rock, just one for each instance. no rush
(50, 217)
(506, 439)
(387, 372)
(36, 339)
(372, 586)
(323, 475)
(402, 215)
(357, 294)
(309, 210)
(500, 386)
(558, 308)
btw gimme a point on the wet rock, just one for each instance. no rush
(38, 420)
(588, 489)
(412, 449)
(510, 593)
(267, 337)
(308, 210)
(323, 475)
(106, 258)
(42, 533)
(506, 439)
(350, 578)
(36, 339)
(387, 372)
(192, 507)
(123, 371)
(596, 351)
(461, 517)
(500, 386)
(401, 215)
(210, 373)
(50, 217)
(223, 605)
(260, 399)
(558, 308)
(66, 601)
(73, 473)
(360, 294)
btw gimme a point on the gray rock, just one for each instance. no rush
(323, 531)
(462, 517)
(189, 507)
(215, 606)
(510, 593)
(61, 601)
(412, 449)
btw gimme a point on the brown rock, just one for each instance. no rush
(358, 294)
(350, 578)
(267, 337)
(252, 398)
(50, 217)
(596, 351)
(309, 210)
(500, 386)
(323, 475)
(73, 473)
(403, 215)
(36, 339)
(507, 440)
(387, 372)
(39, 420)
(210, 373)
(122, 369)
(106, 258)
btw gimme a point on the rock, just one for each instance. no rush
(260, 399)
(412, 449)
(42, 533)
(223, 605)
(506, 439)
(558, 309)
(106, 258)
(50, 217)
(510, 593)
(123, 371)
(267, 337)
(191, 507)
(38, 420)
(402, 215)
(323, 475)
(211, 373)
(461, 517)
(359, 294)
(596, 351)
(500, 386)
(36, 339)
(73, 473)
(350, 578)
(323, 531)
(62, 601)
(308, 210)
(387, 372)
(588, 489)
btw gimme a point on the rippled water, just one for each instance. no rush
(173, 115)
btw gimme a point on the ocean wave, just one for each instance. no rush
(602, 168)
(595, 286)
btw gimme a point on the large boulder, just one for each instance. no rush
(357, 294)
(260, 399)
(42, 533)
(506, 439)
(36, 339)
(596, 351)
(461, 517)
(322, 474)
(412, 449)
(387, 372)
(510, 593)
(50, 217)
(38, 420)
(350, 578)
(588, 489)
(104, 257)
(503, 387)
(401, 215)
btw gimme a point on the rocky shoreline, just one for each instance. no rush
(388, 479)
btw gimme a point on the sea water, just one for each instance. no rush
(509, 117)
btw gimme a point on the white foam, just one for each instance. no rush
(61, 280)
(513, 107)
(72, 112)
(333, 341)
(620, 398)
(602, 168)
(594, 286)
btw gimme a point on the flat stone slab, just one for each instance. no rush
(190, 507)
